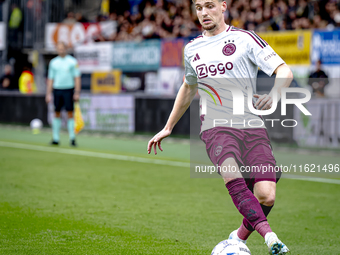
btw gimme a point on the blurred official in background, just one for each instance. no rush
(318, 80)
(64, 81)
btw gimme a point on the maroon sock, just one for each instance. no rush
(263, 228)
(266, 210)
(246, 202)
(243, 233)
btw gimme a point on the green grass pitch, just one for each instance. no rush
(54, 203)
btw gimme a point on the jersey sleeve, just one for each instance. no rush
(262, 55)
(190, 75)
(51, 71)
(76, 71)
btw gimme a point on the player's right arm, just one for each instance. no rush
(51, 75)
(183, 100)
(49, 89)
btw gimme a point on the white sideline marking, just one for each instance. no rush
(314, 179)
(135, 159)
(94, 154)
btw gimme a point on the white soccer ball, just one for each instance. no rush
(36, 125)
(231, 247)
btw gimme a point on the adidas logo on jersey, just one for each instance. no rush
(197, 57)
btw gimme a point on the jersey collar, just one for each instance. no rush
(220, 35)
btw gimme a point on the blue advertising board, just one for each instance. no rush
(137, 56)
(326, 47)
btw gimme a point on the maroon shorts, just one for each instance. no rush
(250, 148)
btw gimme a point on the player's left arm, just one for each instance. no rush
(77, 88)
(263, 56)
(77, 83)
(283, 79)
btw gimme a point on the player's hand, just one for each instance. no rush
(157, 139)
(5, 83)
(264, 102)
(76, 97)
(48, 98)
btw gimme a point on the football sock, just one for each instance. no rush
(247, 204)
(56, 124)
(263, 228)
(242, 232)
(266, 210)
(70, 128)
(245, 230)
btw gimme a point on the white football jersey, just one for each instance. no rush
(219, 63)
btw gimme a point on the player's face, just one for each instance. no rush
(210, 13)
(61, 49)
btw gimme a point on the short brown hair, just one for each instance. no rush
(62, 43)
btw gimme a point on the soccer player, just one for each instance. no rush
(64, 80)
(227, 54)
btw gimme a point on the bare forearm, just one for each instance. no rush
(77, 85)
(284, 77)
(49, 86)
(183, 100)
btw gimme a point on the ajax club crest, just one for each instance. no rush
(229, 49)
(218, 150)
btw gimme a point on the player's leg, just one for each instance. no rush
(56, 122)
(262, 181)
(70, 128)
(224, 149)
(244, 200)
(264, 191)
(69, 105)
(265, 194)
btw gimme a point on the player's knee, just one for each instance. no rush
(70, 115)
(57, 114)
(265, 192)
(267, 199)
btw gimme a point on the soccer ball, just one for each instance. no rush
(231, 247)
(36, 125)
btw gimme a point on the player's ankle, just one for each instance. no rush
(243, 233)
(263, 228)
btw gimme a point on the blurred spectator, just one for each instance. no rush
(26, 81)
(318, 80)
(7, 81)
(15, 27)
(172, 19)
(302, 9)
(80, 18)
(319, 23)
(70, 19)
(105, 7)
(15, 17)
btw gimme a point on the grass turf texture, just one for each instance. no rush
(53, 203)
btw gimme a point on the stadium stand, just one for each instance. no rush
(171, 19)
